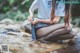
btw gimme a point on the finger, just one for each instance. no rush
(30, 19)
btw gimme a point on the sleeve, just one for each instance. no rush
(34, 5)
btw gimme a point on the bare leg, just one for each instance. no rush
(47, 30)
(55, 34)
(63, 37)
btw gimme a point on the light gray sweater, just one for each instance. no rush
(44, 8)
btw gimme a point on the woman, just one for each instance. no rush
(49, 13)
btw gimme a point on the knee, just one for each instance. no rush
(69, 29)
(40, 33)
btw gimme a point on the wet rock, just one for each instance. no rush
(3, 31)
(22, 34)
(1, 26)
(26, 26)
(13, 28)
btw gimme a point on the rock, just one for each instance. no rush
(26, 26)
(22, 34)
(76, 22)
(26, 34)
(1, 26)
(13, 28)
(6, 21)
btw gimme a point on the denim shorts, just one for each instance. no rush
(40, 25)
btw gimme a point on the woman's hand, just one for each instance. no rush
(34, 22)
(68, 26)
(30, 18)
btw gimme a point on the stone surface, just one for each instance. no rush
(7, 21)
(26, 25)
(15, 28)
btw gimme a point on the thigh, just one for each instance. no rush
(46, 30)
(64, 36)
(56, 33)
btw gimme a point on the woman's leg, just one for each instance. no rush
(47, 30)
(55, 34)
(63, 37)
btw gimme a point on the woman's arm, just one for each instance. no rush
(34, 6)
(55, 20)
(48, 21)
(32, 9)
(67, 15)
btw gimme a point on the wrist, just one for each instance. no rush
(38, 21)
(31, 15)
